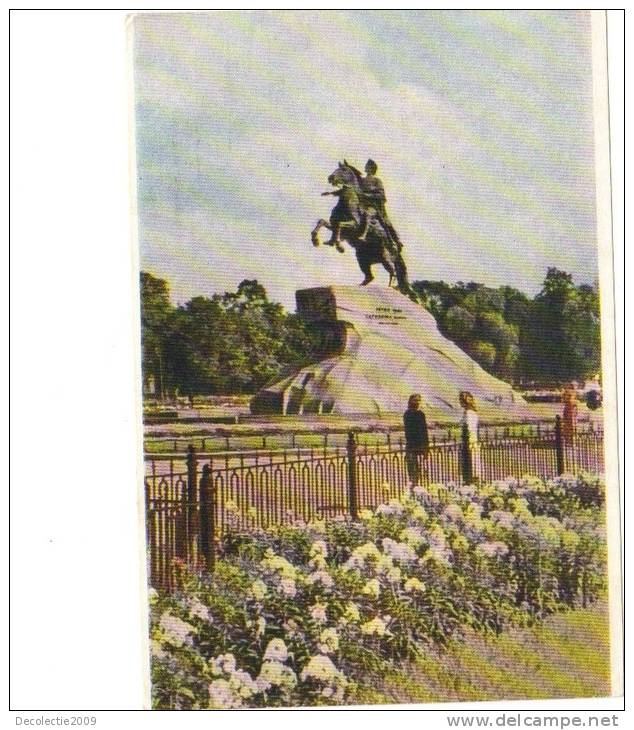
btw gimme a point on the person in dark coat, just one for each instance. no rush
(416, 438)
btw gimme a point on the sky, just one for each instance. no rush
(480, 123)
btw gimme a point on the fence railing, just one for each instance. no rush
(228, 440)
(191, 502)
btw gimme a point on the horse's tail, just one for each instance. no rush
(402, 279)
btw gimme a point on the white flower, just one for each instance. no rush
(504, 485)
(412, 536)
(372, 588)
(223, 664)
(394, 507)
(492, 549)
(437, 537)
(398, 550)
(277, 564)
(318, 612)
(288, 587)
(157, 650)
(152, 595)
(503, 519)
(276, 651)
(467, 490)
(243, 684)
(453, 513)
(375, 626)
(437, 554)
(221, 696)
(418, 513)
(197, 608)
(319, 547)
(258, 590)
(320, 576)
(291, 627)
(328, 641)
(176, 631)
(321, 669)
(413, 585)
(275, 674)
(419, 492)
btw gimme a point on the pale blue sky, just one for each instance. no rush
(480, 122)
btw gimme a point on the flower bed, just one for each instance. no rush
(299, 615)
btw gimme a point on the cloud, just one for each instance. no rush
(480, 123)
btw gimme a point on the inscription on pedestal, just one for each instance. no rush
(386, 315)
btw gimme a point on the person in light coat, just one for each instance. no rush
(470, 418)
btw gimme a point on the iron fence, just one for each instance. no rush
(304, 438)
(191, 502)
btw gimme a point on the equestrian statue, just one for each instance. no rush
(360, 218)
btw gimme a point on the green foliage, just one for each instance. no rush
(550, 339)
(229, 343)
(155, 313)
(459, 323)
(483, 353)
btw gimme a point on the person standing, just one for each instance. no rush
(470, 421)
(416, 438)
(569, 420)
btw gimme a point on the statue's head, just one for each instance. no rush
(343, 175)
(371, 167)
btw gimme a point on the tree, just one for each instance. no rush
(483, 299)
(230, 343)
(156, 310)
(493, 328)
(564, 339)
(483, 353)
(553, 337)
(458, 323)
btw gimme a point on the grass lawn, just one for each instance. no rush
(566, 656)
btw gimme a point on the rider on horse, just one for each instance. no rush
(359, 217)
(373, 200)
(371, 204)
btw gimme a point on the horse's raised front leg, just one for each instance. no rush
(314, 235)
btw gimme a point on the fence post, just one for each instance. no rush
(192, 468)
(467, 464)
(207, 519)
(352, 475)
(559, 446)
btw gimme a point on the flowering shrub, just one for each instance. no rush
(298, 615)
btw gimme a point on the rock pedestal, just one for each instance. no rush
(378, 347)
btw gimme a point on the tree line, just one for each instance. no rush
(237, 342)
(231, 343)
(548, 340)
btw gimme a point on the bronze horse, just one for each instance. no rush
(377, 247)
